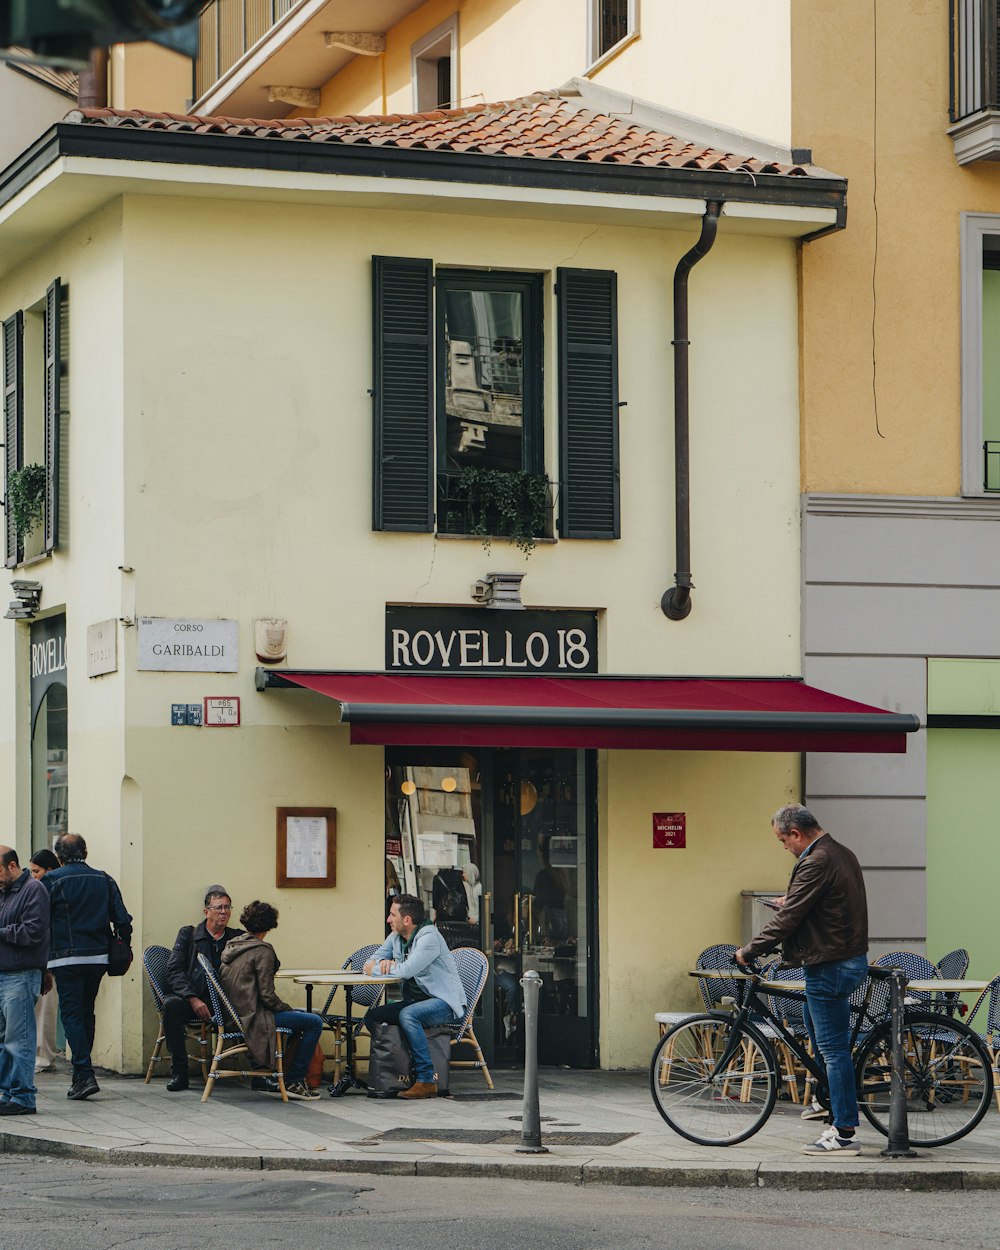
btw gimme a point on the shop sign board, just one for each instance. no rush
(102, 648)
(48, 658)
(171, 645)
(487, 640)
(669, 831)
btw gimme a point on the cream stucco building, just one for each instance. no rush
(257, 361)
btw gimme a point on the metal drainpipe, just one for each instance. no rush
(676, 602)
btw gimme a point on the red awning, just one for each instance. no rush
(639, 713)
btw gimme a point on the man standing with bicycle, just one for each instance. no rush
(822, 924)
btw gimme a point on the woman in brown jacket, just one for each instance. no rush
(248, 967)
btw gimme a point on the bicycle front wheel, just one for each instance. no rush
(712, 1082)
(947, 1078)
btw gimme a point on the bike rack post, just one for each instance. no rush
(899, 1134)
(531, 1125)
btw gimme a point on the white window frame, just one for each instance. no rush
(595, 58)
(975, 228)
(424, 55)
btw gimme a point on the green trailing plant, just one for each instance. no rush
(507, 504)
(26, 497)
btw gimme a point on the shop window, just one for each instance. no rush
(612, 24)
(35, 410)
(459, 385)
(49, 770)
(434, 64)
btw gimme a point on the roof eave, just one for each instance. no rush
(417, 164)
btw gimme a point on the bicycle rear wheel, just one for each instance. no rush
(709, 1103)
(947, 1078)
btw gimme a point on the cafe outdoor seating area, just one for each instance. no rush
(983, 1014)
(222, 1051)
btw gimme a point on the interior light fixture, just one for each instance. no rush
(408, 787)
(448, 784)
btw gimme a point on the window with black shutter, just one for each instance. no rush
(13, 426)
(588, 403)
(35, 414)
(459, 387)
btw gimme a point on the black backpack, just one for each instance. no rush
(454, 905)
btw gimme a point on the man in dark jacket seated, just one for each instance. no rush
(187, 991)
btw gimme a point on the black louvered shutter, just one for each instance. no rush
(13, 423)
(403, 394)
(53, 410)
(588, 403)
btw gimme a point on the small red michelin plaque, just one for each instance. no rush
(669, 830)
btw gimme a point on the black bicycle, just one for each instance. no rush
(714, 1077)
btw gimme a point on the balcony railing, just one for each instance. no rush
(974, 79)
(228, 29)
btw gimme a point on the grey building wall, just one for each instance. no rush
(889, 581)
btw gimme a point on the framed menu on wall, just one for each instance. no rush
(306, 847)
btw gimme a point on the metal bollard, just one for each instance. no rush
(899, 1132)
(531, 1125)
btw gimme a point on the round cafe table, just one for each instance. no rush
(348, 979)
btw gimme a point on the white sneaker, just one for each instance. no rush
(815, 1111)
(830, 1143)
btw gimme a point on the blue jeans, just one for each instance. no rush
(78, 985)
(828, 1018)
(309, 1027)
(412, 1019)
(18, 991)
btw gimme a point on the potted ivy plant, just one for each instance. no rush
(26, 497)
(507, 504)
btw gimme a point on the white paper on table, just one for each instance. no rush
(305, 846)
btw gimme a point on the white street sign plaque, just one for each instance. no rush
(102, 648)
(221, 712)
(168, 645)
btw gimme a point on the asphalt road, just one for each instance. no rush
(47, 1205)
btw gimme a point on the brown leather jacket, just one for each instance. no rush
(247, 975)
(825, 916)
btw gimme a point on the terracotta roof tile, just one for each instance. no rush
(544, 126)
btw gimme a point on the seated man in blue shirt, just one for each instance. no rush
(432, 991)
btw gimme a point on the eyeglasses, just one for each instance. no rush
(221, 907)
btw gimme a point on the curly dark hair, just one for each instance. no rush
(258, 917)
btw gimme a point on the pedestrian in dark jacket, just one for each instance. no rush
(822, 924)
(86, 906)
(187, 990)
(248, 967)
(24, 949)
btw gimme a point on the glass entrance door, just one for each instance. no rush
(500, 846)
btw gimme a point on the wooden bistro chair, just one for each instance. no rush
(154, 962)
(991, 1038)
(229, 1039)
(473, 969)
(363, 997)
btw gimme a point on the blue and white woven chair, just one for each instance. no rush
(991, 1038)
(473, 969)
(952, 967)
(718, 958)
(363, 997)
(790, 1011)
(154, 961)
(229, 1039)
(916, 967)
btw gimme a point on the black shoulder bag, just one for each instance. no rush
(119, 951)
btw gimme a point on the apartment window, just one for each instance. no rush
(459, 384)
(35, 410)
(980, 354)
(434, 68)
(611, 23)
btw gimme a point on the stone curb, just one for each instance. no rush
(886, 1176)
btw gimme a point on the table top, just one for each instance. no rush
(304, 973)
(344, 976)
(921, 986)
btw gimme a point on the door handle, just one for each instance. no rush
(517, 923)
(531, 920)
(486, 923)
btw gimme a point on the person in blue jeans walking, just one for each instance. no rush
(432, 990)
(24, 949)
(821, 924)
(248, 965)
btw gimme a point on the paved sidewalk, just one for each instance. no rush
(133, 1123)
